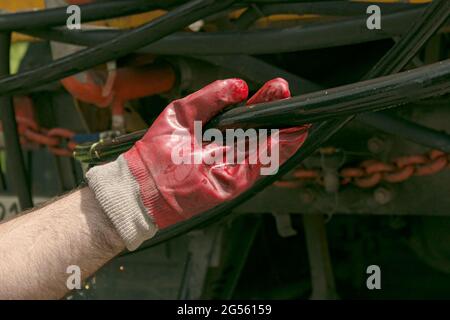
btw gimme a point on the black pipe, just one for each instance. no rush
(409, 130)
(114, 48)
(331, 8)
(90, 12)
(16, 170)
(355, 98)
(317, 36)
(259, 72)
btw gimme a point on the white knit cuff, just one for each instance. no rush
(118, 193)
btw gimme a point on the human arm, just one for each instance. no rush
(143, 191)
(37, 248)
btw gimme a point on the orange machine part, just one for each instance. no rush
(123, 85)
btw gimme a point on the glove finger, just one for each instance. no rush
(279, 147)
(275, 89)
(274, 150)
(204, 104)
(271, 151)
(289, 141)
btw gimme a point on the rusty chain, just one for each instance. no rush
(370, 173)
(59, 141)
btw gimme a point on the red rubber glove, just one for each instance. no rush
(145, 190)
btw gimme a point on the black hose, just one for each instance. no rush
(332, 8)
(355, 98)
(259, 72)
(317, 36)
(406, 129)
(114, 48)
(16, 170)
(90, 12)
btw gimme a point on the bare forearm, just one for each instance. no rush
(37, 248)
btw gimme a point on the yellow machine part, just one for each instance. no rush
(14, 6)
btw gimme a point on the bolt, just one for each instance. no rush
(375, 145)
(382, 195)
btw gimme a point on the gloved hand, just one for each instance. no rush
(145, 190)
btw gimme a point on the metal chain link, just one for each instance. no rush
(370, 173)
(58, 140)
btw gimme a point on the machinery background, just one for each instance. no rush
(367, 196)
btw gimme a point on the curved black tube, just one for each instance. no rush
(259, 72)
(323, 35)
(90, 12)
(14, 158)
(332, 8)
(343, 101)
(114, 48)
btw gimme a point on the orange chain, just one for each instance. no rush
(370, 173)
(54, 139)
